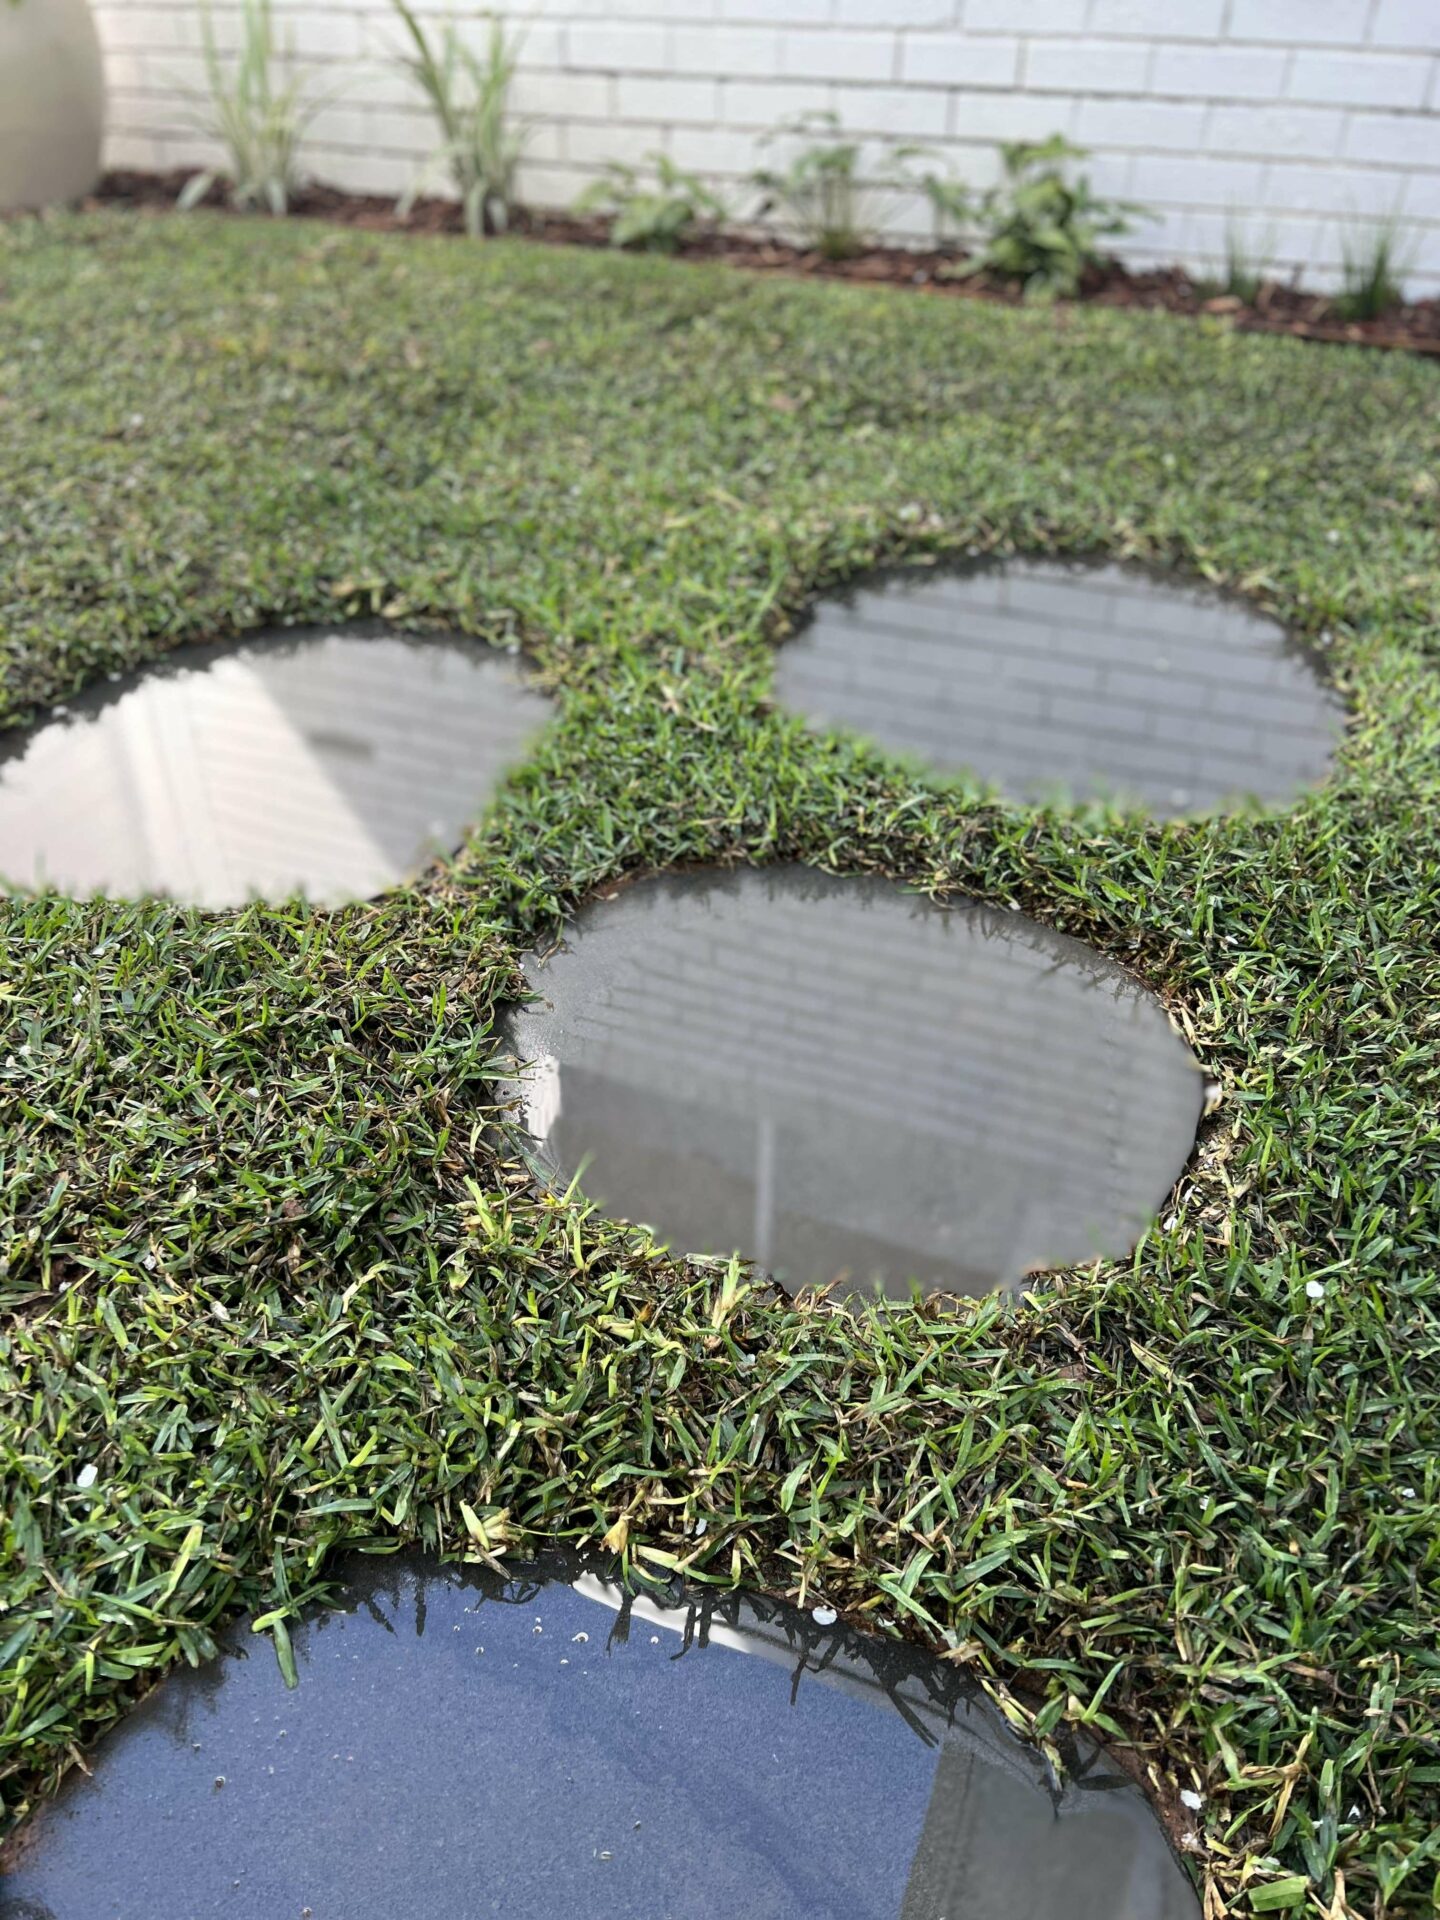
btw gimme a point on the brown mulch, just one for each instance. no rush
(1413, 327)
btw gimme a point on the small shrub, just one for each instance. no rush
(469, 94)
(656, 217)
(1040, 227)
(821, 190)
(260, 122)
(1375, 261)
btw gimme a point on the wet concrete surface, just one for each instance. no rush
(538, 1746)
(847, 1084)
(1069, 682)
(329, 762)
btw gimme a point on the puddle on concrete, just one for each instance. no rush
(1069, 682)
(846, 1084)
(329, 763)
(532, 1746)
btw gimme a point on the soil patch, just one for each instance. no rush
(1278, 307)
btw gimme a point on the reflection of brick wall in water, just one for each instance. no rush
(1087, 679)
(442, 719)
(327, 762)
(811, 1194)
(914, 1068)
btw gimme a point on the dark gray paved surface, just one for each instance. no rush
(633, 1774)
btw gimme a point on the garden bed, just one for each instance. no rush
(272, 1288)
(1277, 308)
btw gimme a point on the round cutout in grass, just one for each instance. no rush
(329, 763)
(851, 1086)
(540, 1742)
(1069, 682)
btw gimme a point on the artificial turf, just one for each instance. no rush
(265, 1267)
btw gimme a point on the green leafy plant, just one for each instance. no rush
(469, 94)
(820, 188)
(259, 120)
(1375, 259)
(1041, 227)
(658, 216)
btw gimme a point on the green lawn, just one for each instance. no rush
(1177, 1499)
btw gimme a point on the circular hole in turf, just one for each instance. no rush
(538, 1742)
(1067, 681)
(850, 1085)
(330, 763)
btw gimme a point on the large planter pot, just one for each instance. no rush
(52, 102)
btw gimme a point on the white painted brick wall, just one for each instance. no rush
(1294, 118)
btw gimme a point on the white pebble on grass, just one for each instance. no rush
(1192, 1799)
(824, 1616)
(87, 1475)
(1314, 1290)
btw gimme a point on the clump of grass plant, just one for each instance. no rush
(469, 94)
(951, 202)
(256, 116)
(820, 189)
(656, 208)
(273, 1283)
(1043, 225)
(1375, 258)
(1248, 262)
